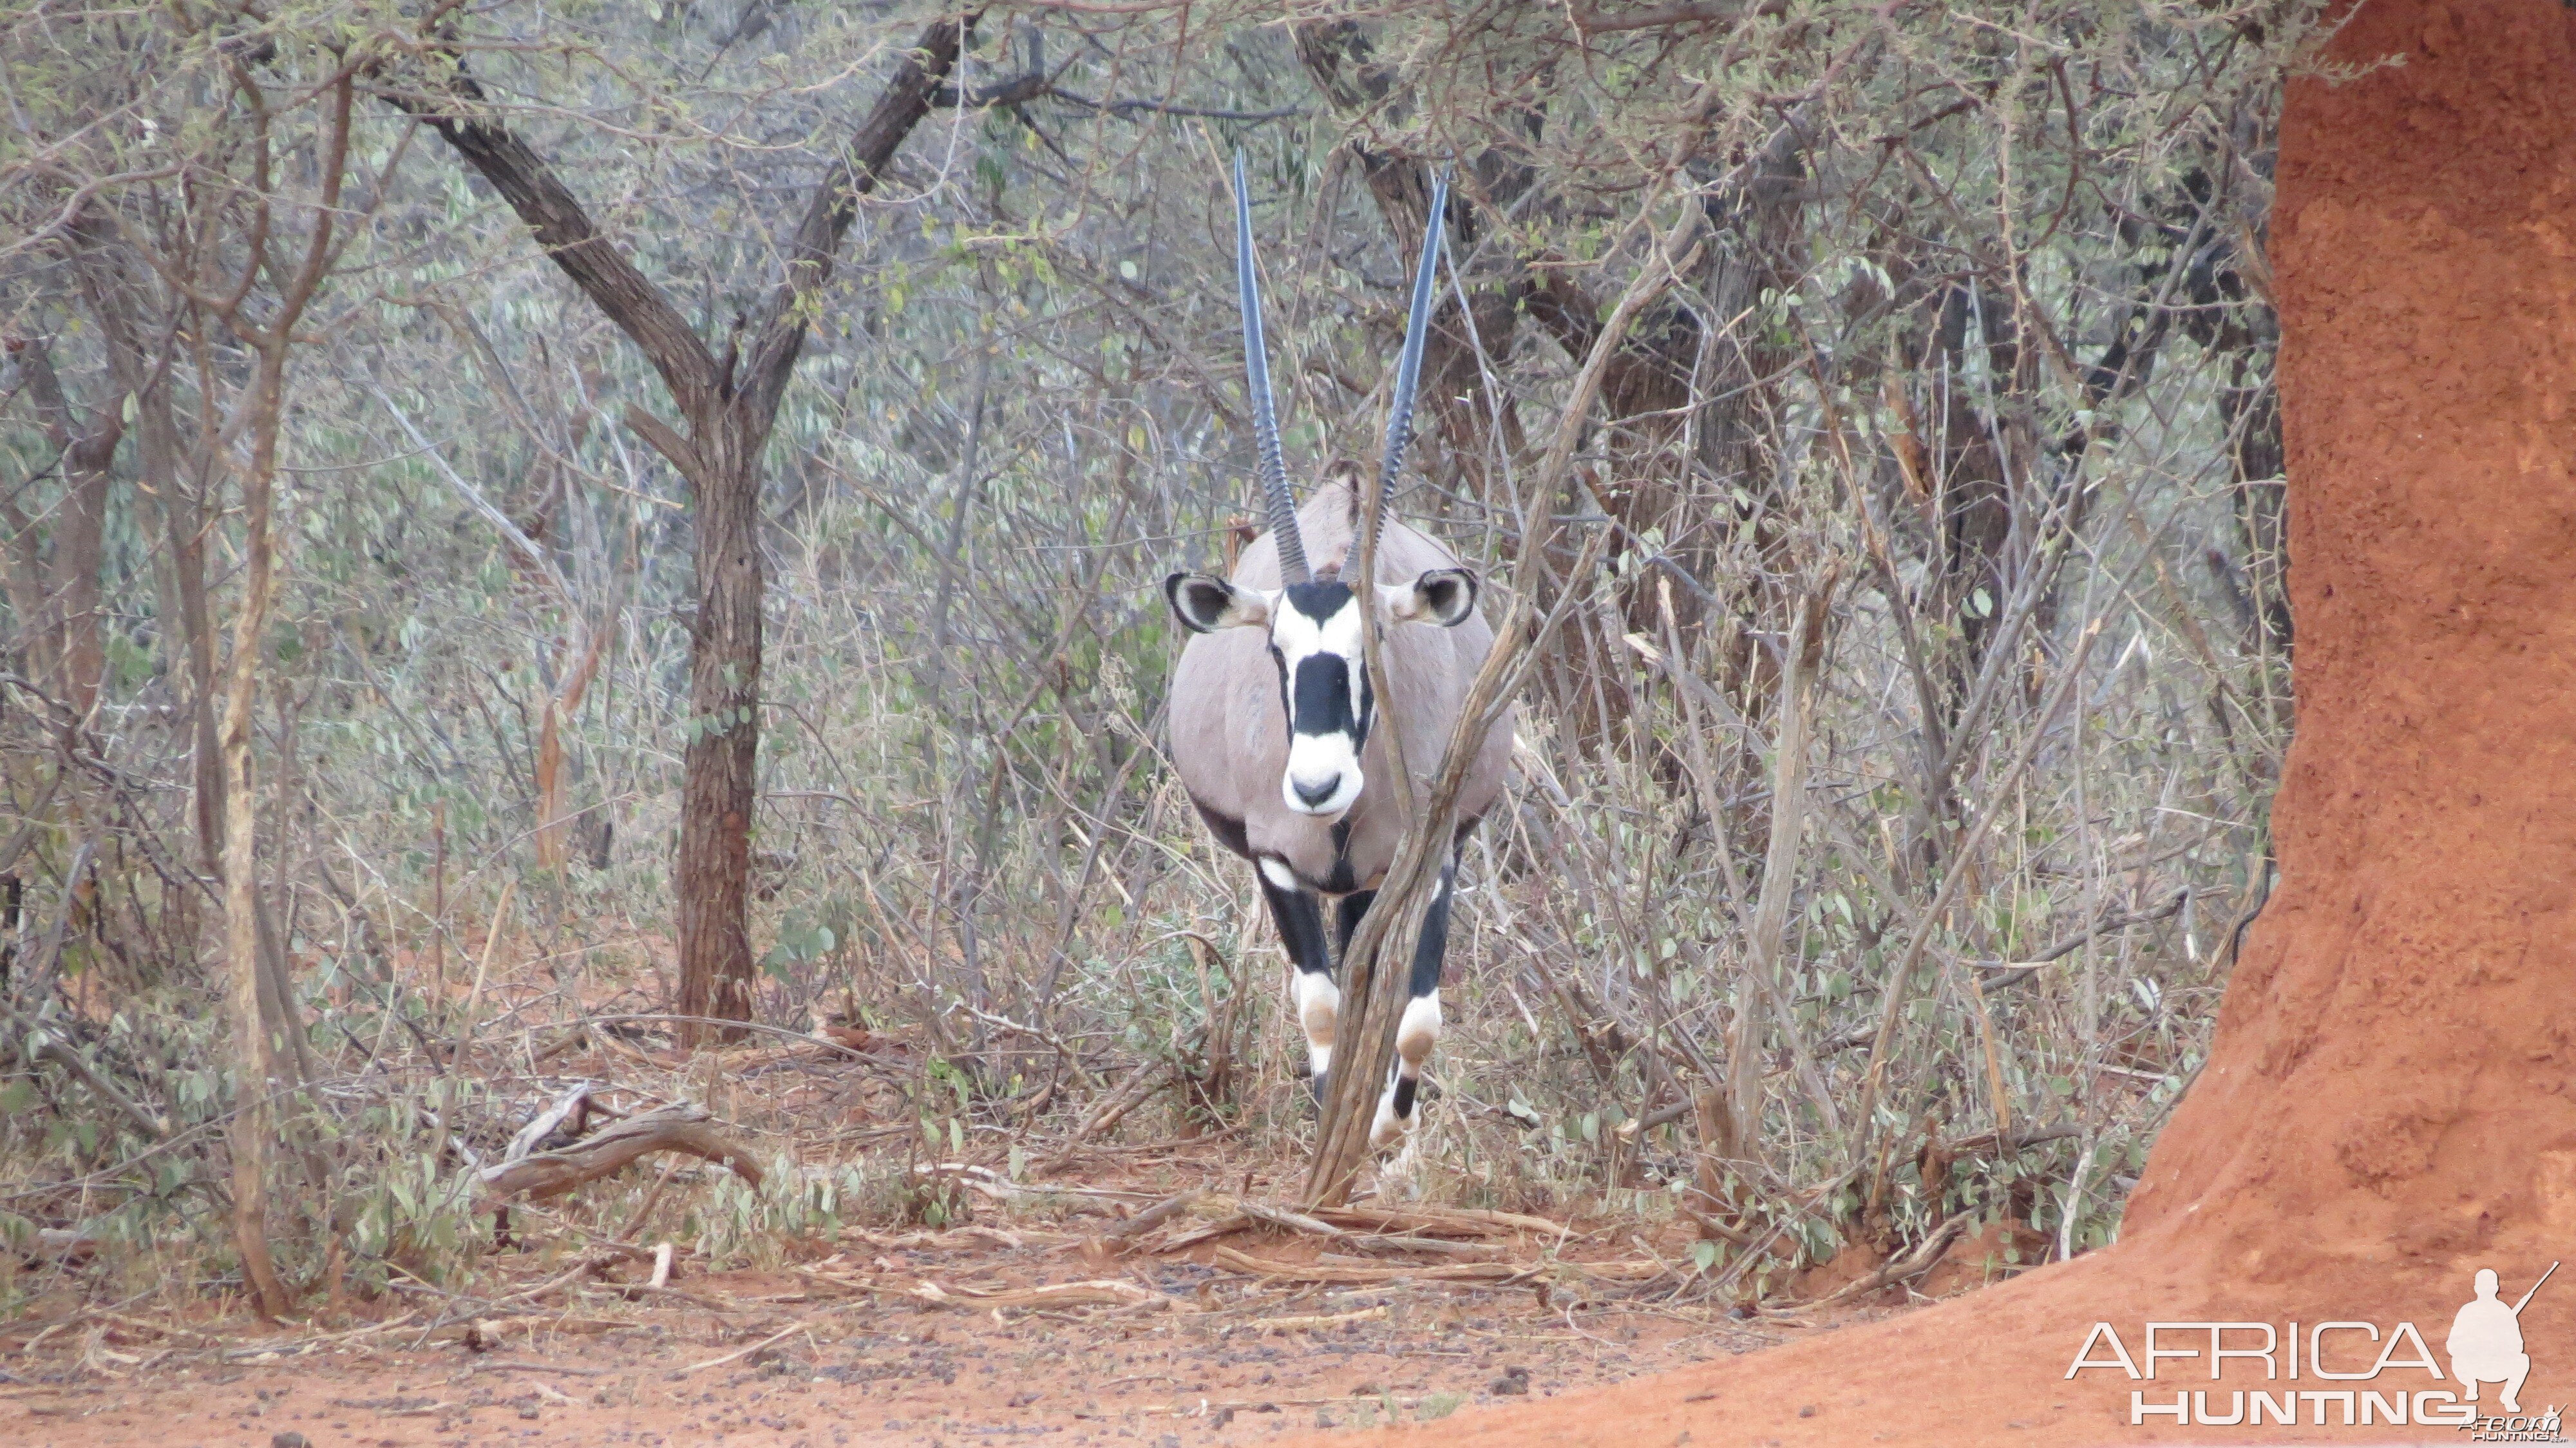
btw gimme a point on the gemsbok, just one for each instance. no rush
(1274, 723)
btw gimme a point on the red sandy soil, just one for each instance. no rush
(2387, 1105)
(839, 1349)
(793, 1366)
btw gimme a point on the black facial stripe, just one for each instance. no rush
(1318, 601)
(1321, 703)
(1318, 697)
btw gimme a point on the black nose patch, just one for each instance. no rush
(1320, 702)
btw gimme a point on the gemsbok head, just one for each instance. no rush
(1275, 728)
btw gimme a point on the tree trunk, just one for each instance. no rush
(722, 786)
(78, 554)
(255, 1061)
(65, 653)
(112, 286)
(729, 407)
(188, 520)
(554, 812)
(22, 573)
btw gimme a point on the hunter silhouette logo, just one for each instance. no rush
(2366, 1374)
(2486, 1341)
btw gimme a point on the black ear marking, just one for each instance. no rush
(1445, 596)
(1205, 603)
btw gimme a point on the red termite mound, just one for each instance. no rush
(2387, 1104)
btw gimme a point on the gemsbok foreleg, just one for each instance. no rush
(1299, 914)
(1419, 1031)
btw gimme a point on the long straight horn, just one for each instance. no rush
(1256, 377)
(1408, 367)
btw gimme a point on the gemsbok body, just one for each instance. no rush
(1280, 737)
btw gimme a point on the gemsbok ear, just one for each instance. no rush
(1205, 603)
(1445, 596)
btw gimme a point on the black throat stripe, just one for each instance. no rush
(1341, 881)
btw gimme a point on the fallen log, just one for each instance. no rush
(1337, 1272)
(685, 1128)
(1449, 1221)
(1103, 1292)
(1309, 1322)
(1334, 1268)
(1370, 1228)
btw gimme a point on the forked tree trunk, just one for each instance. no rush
(726, 409)
(259, 996)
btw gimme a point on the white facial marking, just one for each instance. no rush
(1298, 636)
(1316, 760)
(1319, 1007)
(1276, 871)
(1419, 1031)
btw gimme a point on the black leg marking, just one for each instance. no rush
(1299, 914)
(1300, 918)
(1228, 830)
(1353, 908)
(1434, 945)
(1421, 1025)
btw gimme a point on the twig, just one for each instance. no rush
(1912, 1265)
(518, 1367)
(1310, 1321)
(1131, 1093)
(581, 1269)
(43, 1045)
(1340, 1272)
(1900, 980)
(482, 969)
(2016, 971)
(790, 1331)
(1152, 1217)
(571, 1104)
